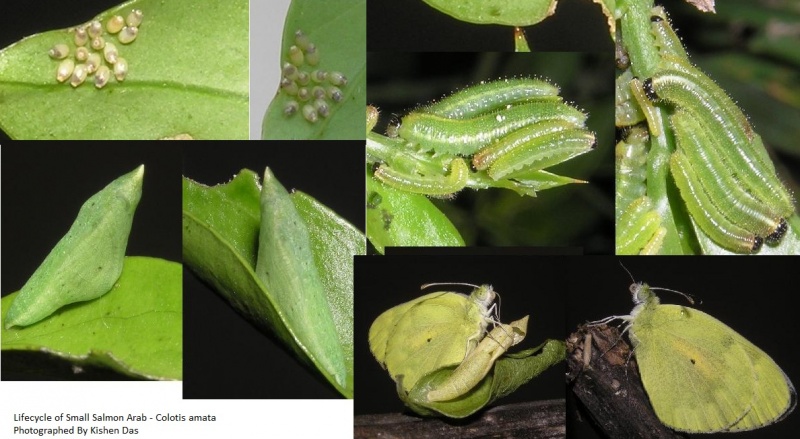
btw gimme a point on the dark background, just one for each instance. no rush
(224, 355)
(754, 296)
(526, 286)
(414, 26)
(44, 185)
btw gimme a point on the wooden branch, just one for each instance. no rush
(607, 383)
(538, 419)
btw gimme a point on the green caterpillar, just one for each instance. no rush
(513, 127)
(88, 260)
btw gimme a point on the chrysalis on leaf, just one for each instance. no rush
(88, 260)
(285, 265)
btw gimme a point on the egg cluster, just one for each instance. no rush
(309, 87)
(94, 56)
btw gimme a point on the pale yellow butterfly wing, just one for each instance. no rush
(428, 333)
(702, 376)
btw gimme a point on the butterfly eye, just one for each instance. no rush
(59, 51)
(65, 69)
(115, 24)
(134, 19)
(128, 34)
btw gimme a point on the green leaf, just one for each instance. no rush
(188, 62)
(135, 329)
(399, 218)
(510, 372)
(338, 29)
(508, 12)
(220, 241)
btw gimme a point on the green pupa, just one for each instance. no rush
(88, 260)
(286, 266)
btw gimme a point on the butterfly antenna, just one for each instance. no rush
(628, 271)
(433, 284)
(688, 297)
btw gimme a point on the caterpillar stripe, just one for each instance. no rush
(706, 214)
(667, 41)
(465, 137)
(639, 229)
(533, 147)
(434, 185)
(491, 96)
(720, 116)
(729, 193)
